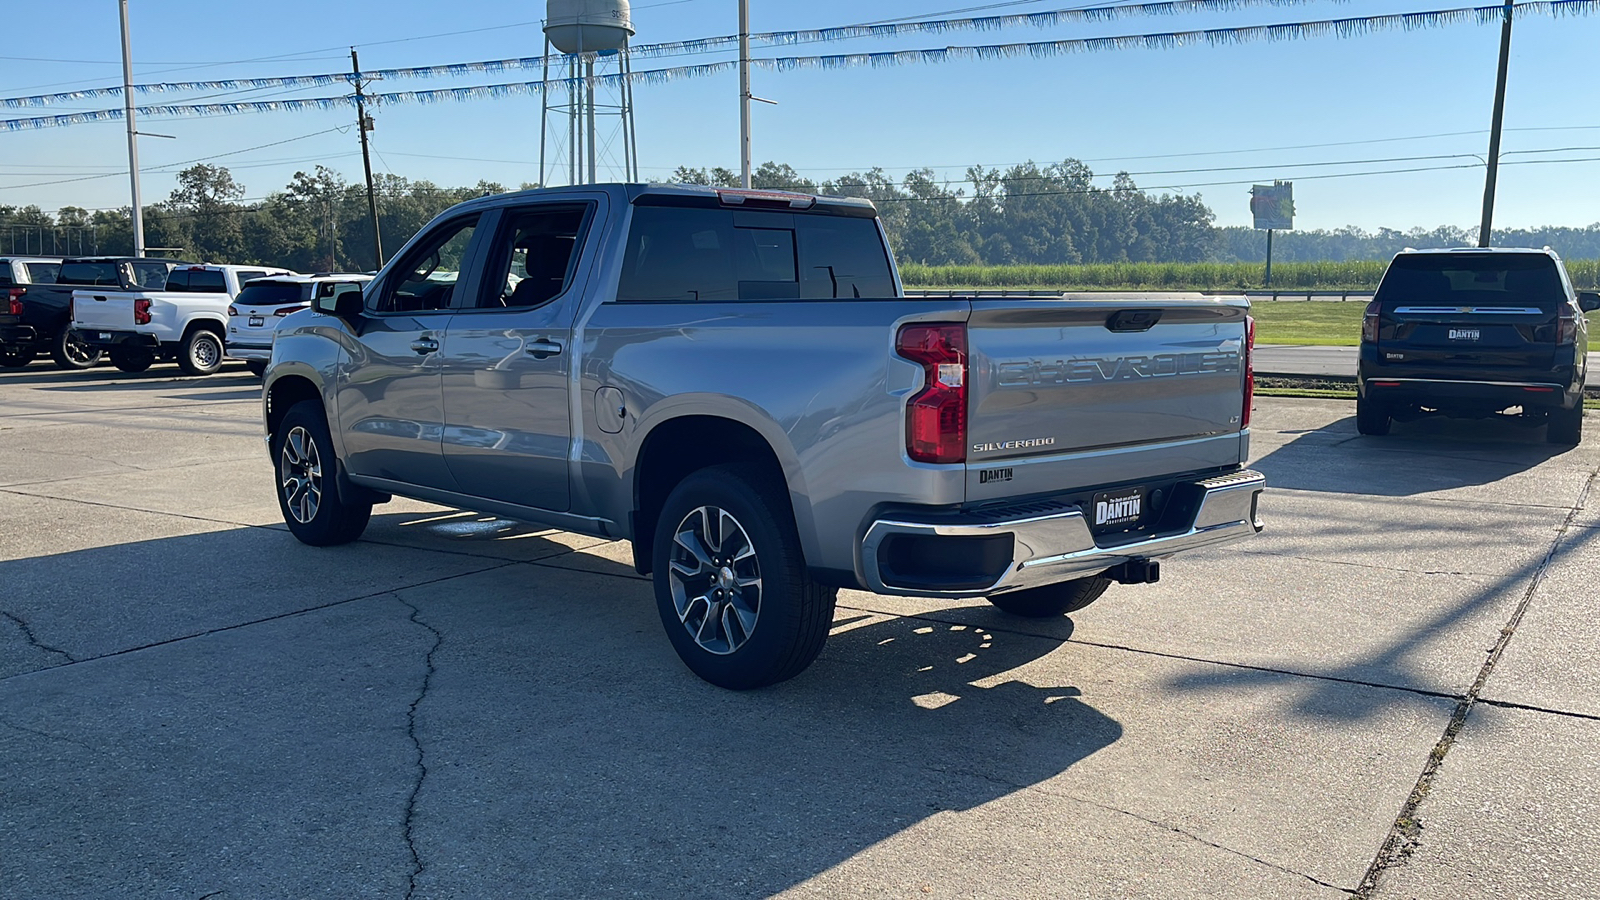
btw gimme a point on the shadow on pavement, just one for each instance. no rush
(555, 745)
(1433, 454)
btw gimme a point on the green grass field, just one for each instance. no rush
(1316, 322)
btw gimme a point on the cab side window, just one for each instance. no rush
(533, 257)
(426, 278)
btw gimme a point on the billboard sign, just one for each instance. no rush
(1273, 206)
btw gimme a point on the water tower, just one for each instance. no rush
(594, 36)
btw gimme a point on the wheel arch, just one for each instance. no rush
(677, 447)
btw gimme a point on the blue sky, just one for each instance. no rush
(1149, 112)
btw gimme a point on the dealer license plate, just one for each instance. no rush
(1118, 509)
(105, 335)
(257, 321)
(1465, 334)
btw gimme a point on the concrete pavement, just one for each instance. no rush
(192, 703)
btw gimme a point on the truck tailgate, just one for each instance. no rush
(93, 309)
(1119, 388)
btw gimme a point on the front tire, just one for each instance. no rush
(1566, 426)
(71, 353)
(201, 353)
(131, 359)
(308, 490)
(1050, 600)
(1372, 417)
(731, 583)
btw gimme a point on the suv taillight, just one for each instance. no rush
(14, 301)
(141, 311)
(936, 416)
(288, 310)
(1567, 328)
(233, 311)
(1369, 323)
(1249, 370)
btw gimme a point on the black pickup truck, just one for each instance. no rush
(1475, 333)
(38, 317)
(16, 274)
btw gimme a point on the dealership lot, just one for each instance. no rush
(192, 703)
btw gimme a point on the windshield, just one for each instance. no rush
(270, 293)
(1474, 279)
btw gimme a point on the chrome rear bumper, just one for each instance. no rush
(1057, 544)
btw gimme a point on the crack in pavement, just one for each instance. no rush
(1405, 835)
(221, 629)
(1527, 707)
(45, 734)
(1357, 565)
(417, 867)
(33, 639)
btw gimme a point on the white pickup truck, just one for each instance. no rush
(186, 320)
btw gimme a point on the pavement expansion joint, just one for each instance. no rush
(33, 639)
(417, 866)
(1406, 832)
(1526, 707)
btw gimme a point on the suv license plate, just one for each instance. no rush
(257, 321)
(1117, 509)
(1465, 334)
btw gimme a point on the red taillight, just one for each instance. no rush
(14, 301)
(1369, 323)
(141, 311)
(288, 310)
(1249, 370)
(936, 417)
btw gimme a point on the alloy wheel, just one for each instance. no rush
(300, 474)
(715, 579)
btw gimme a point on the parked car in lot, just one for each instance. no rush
(45, 314)
(185, 319)
(17, 340)
(254, 315)
(735, 382)
(1474, 333)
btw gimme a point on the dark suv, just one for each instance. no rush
(1474, 333)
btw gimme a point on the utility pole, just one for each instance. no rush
(364, 124)
(744, 92)
(1487, 230)
(133, 134)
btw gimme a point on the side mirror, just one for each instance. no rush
(339, 299)
(1589, 301)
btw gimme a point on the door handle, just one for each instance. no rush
(543, 348)
(425, 346)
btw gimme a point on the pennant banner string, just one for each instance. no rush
(1339, 28)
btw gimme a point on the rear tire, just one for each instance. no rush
(1372, 417)
(12, 357)
(731, 583)
(131, 359)
(307, 480)
(1566, 426)
(201, 353)
(1051, 600)
(71, 353)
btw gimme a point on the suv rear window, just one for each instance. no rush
(270, 293)
(690, 254)
(1474, 279)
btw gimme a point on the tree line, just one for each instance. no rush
(1027, 214)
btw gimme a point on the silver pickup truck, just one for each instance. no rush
(734, 382)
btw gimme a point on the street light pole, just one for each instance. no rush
(1486, 231)
(133, 134)
(744, 92)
